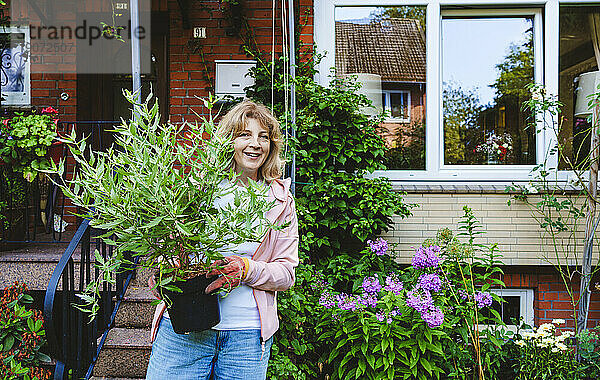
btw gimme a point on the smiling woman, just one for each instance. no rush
(250, 273)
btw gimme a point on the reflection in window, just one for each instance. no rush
(388, 43)
(396, 104)
(487, 63)
(576, 57)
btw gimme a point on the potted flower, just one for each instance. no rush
(497, 148)
(26, 139)
(154, 194)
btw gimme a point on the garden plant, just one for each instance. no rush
(25, 140)
(22, 336)
(154, 192)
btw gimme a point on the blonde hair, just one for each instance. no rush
(236, 120)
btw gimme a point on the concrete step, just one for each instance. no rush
(32, 264)
(136, 310)
(125, 354)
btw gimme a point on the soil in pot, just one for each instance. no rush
(193, 310)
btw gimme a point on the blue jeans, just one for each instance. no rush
(224, 355)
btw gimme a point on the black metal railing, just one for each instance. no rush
(73, 340)
(35, 212)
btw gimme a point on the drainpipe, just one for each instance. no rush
(135, 54)
(292, 52)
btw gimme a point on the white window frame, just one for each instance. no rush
(526, 304)
(19, 99)
(388, 107)
(546, 44)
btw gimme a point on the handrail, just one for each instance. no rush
(72, 340)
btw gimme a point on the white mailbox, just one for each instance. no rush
(231, 78)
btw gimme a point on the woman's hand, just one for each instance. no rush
(231, 271)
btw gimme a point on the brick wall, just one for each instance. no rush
(519, 236)
(551, 299)
(193, 75)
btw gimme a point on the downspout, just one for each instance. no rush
(292, 53)
(135, 55)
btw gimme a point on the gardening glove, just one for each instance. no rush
(231, 271)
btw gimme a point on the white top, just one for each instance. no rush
(237, 308)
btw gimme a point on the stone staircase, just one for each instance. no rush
(127, 347)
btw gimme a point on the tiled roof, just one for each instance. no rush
(392, 48)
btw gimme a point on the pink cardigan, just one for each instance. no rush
(271, 268)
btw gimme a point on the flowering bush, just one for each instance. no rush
(496, 148)
(379, 334)
(546, 355)
(422, 321)
(21, 336)
(25, 139)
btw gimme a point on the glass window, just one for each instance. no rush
(576, 58)
(516, 309)
(487, 62)
(396, 105)
(384, 48)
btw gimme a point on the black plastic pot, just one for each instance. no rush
(193, 310)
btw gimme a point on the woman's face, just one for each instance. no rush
(251, 149)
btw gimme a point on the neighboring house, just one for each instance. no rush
(394, 49)
(552, 44)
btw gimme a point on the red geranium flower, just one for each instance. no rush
(49, 110)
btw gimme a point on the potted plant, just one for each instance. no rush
(25, 140)
(154, 194)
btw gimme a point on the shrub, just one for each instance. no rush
(21, 336)
(25, 140)
(589, 350)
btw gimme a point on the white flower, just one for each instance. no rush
(520, 343)
(562, 346)
(546, 327)
(527, 335)
(558, 321)
(531, 189)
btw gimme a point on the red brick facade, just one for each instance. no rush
(551, 299)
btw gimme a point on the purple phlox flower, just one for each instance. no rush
(431, 282)
(379, 246)
(392, 284)
(462, 294)
(327, 300)
(426, 257)
(483, 299)
(433, 316)
(395, 313)
(346, 302)
(419, 299)
(368, 299)
(371, 284)
(387, 317)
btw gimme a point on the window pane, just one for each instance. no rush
(576, 57)
(384, 47)
(510, 310)
(486, 64)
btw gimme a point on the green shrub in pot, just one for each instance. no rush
(154, 193)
